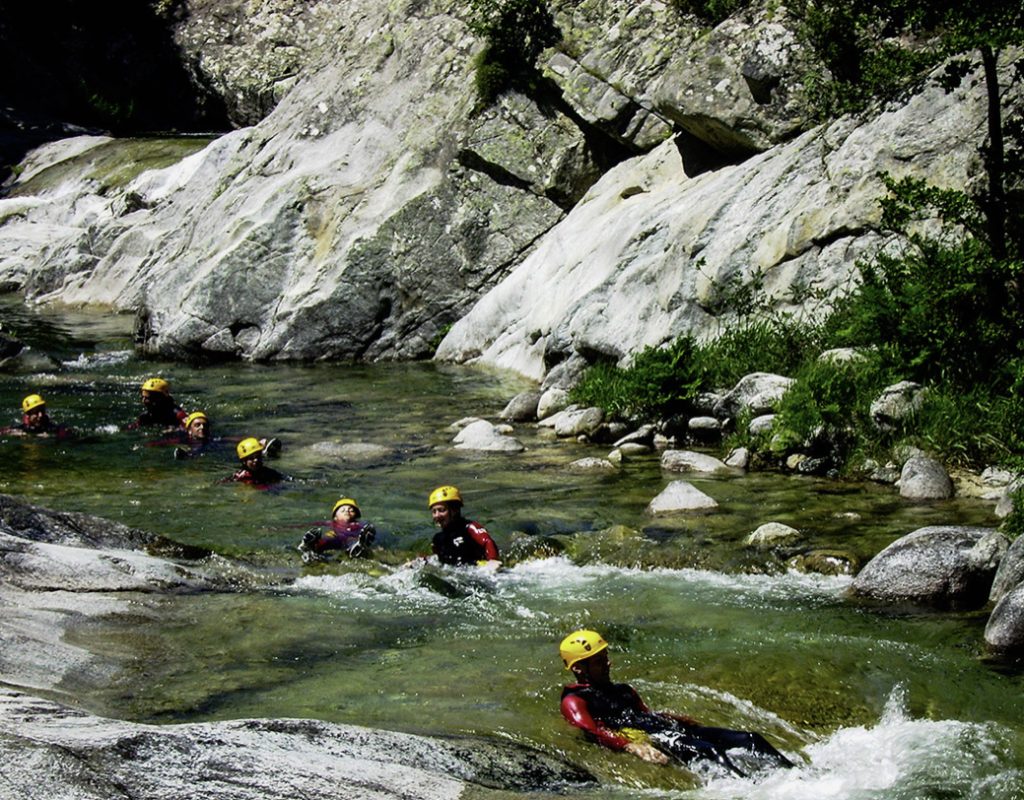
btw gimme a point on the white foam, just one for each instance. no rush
(899, 758)
(97, 360)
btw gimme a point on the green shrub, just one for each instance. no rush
(515, 33)
(831, 401)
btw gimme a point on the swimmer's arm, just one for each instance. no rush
(480, 535)
(575, 710)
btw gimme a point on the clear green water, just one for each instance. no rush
(874, 705)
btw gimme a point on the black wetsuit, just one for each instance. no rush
(464, 542)
(604, 711)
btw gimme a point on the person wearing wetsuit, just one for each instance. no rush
(253, 471)
(158, 407)
(460, 541)
(346, 533)
(35, 421)
(614, 715)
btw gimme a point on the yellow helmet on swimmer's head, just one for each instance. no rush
(30, 402)
(248, 447)
(444, 494)
(346, 501)
(194, 416)
(156, 385)
(579, 645)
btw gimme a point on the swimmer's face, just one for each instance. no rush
(198, 428)
(443, 513)
(345, 513)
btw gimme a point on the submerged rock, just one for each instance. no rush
(482, 435)
(943, 566)
(94, 758)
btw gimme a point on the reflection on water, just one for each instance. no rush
(871, 705)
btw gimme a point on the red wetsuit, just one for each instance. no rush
(45, 427)
(262, 477)
(601, 711)
(343, 535)
(464, 542)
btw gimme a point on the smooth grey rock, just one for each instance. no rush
(592, 464)
(1010, 572)
(757, 393)
(575, 421)
(771, 534)
(551, 402)
(522, 407)
(635, 449)
(943, 566)
(94, 758)
(680, 496)
(482, 435)
(924, 478)
(1004, 631)
(689, 461)
(761, 425)
(704, 425)
(896, 403)
(738, 458)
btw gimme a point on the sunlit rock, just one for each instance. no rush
(938, 566)
(522, 407)
(680, 496)
(924, 478)
(95, 758)
(772, 534)
(482, 435)
(690, 461)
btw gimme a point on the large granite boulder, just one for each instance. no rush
(92, 758)
(1004, 631)
(942, 566)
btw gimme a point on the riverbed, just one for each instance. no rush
(869, 703)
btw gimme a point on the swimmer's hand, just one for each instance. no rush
(492, 564)
(647, 752)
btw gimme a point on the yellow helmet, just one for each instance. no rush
(156, 385)
(444, 494)
(579, 645)
(194, 416)
(30, 402)
(248, 447)
(346, 501)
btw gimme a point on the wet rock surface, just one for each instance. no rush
(92, 758)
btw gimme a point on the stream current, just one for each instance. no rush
(869, 704)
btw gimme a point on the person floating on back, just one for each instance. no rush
(158, 407)
(35, 421)
(613, 715)
(346, 533)
(460, 541)
(253, 471)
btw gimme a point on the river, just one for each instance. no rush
(870, 704)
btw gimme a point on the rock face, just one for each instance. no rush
(939, 566)
(92, 758)
(621, 271)
(375, 205)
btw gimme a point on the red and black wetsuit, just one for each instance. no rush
(464, 542)
(45, 427)
(601, 711)
(262, 477)
(343, 535)
(161, 414)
